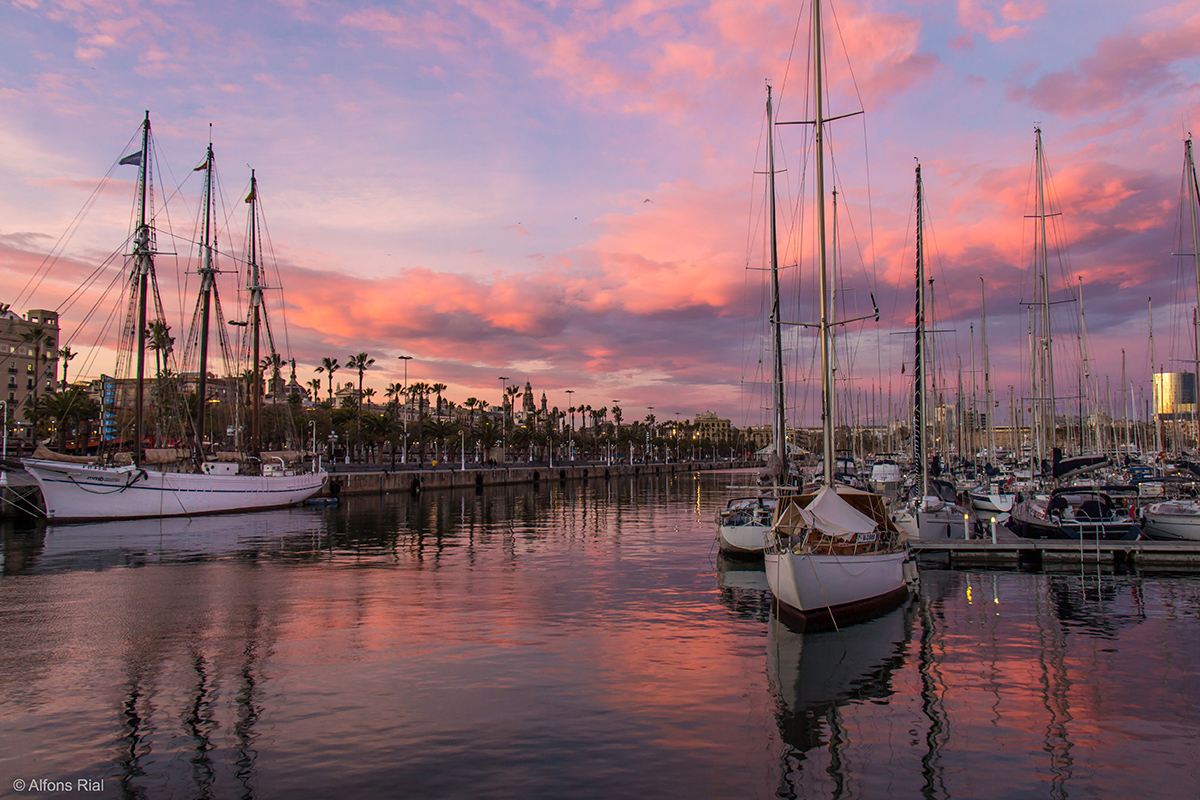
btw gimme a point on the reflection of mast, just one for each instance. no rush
(200, 723)
(1054, 684)
(931, 704)
(134, 733)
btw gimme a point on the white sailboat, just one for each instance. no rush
(743, 524)
(75, 490)
(833, 557)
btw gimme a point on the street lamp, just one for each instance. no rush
(648, 427)
(504, 411)
(404, 391)
(571, 429)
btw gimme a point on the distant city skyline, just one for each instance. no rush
(567, 195)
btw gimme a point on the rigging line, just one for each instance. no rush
(40, 273)
(791, 52)
(79, 290)
(166, 213)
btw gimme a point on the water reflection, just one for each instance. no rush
(562, 640)
(814, 676)
(743, 587)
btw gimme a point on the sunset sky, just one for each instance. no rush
(566, 193)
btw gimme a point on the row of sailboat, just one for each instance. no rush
(832, 552)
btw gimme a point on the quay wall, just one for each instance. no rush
(417, 480)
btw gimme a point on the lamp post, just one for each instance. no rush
(312, 423)
(404, 391)
(571, 427)
(648, 428)
(4, 447)
(504, 413)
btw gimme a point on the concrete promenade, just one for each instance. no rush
(385, 480)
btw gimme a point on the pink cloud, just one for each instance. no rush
(1125, 67)
(990, 18)
(427, 29)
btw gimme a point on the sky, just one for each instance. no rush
(571, 194)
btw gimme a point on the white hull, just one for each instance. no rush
(811, 584)
(936, 525)
(1173, 520)
(986, 503)
(745, 539)
(743, 526)
(81, 492)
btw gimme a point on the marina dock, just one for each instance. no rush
(1053, 553)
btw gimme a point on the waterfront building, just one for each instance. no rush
(1174, 395)
(708, 426)
(29, 354)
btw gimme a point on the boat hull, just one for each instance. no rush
(82, 492)
(742, 540)
(818, 591)
(1178, 520)
(1029, 520)
(743, 526)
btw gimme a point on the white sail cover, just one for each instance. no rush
(833, 516)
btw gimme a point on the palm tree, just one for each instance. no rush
(360, 362)
(160, 340)
(329, 366)
(69, 409)
(66, 355)
(367, 394)
(420, 391)
(470, 403)
(274, 363)
(393, 392)
(438, 388)
(315, 383)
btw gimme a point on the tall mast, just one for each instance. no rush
(207, 280)
(256, 292)
(987, 375)
(778, 420)
(144, 265)
(1153, 372)
(826, 362)
(1086, 379)
(919, 452)
(1046, 372)
(1189, 175)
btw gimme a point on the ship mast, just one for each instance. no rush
(919, 453)
(255, 288)
(143, 267)
(778, 420)
(207, 281)
(823, 288)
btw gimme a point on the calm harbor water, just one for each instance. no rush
(579, 641)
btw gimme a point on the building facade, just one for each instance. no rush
(29, 357)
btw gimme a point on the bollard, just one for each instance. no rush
(967, 527)
(993, 530)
